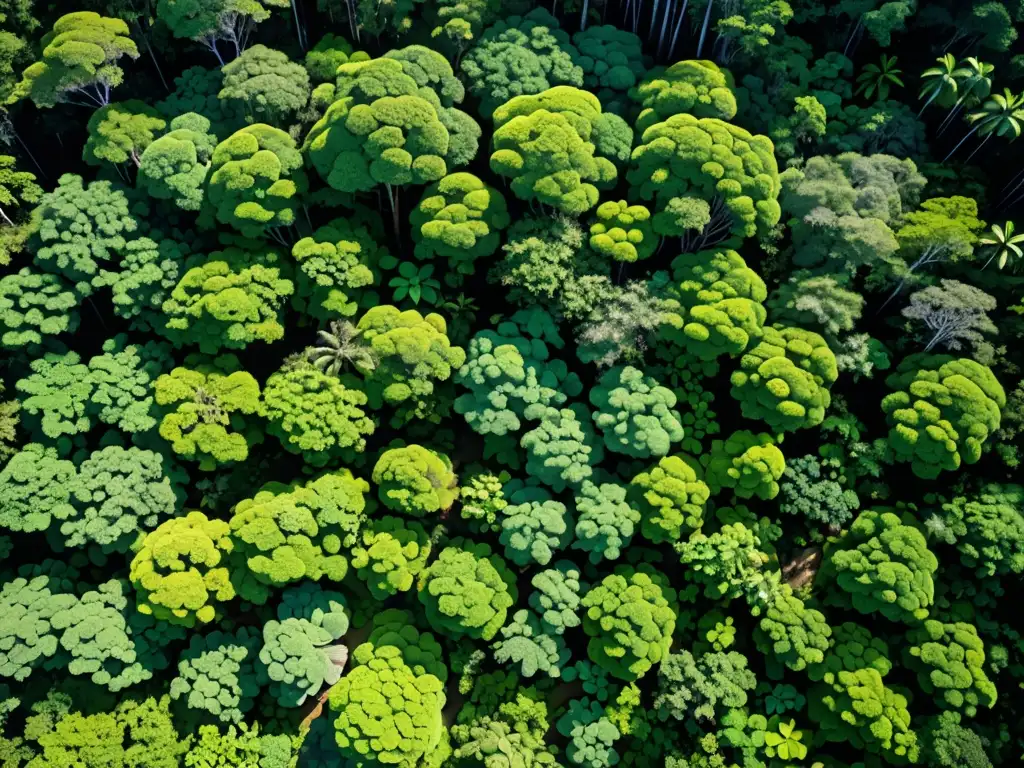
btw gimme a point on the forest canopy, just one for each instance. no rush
(482, 384)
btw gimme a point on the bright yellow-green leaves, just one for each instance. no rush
(748, 464)
(670, 497)
(182, 572)
(415, 481)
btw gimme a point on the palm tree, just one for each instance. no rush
(341, 345)
(1000, 115)
(942, 82)
(1003, 243)
(976, 86)
(877, 78)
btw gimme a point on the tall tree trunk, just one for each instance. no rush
(704, 28)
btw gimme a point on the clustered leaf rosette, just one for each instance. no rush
(204, 405)
(635, 414)
(520, 55)
(510, 375)
(605, 521)
(300, 650)
(35, 489)
(591, 734)
(459, 218)
(747, 464)
(390, 553)
(481, 499)
(630, 621)
(942, 411)
(467, 590)
(333, 263)
(556, 596)
(882, 565)
(315, 415)
(534, 526)
(785, 378)
(670, 497)
(288, 533)
(853, 705)
(949, 659)
(229, 301)
(528, 128)
(415, 481)
(182, 573)
(987, 528)
(174, 166)
(35, 306)
(218, 674)
(387, 709)
(525, 641)
(791, 632)
(727, 563)
(613, 62)
(687, 158)
(696, 87)
(412, 356)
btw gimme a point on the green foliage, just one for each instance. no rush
(301, 653)
(883, 565)
(204, 406)
(670, 498)
(696, 87)
(79, 61)
(702, 688)
(605, 521)
(748, 464)
(520, 55)
(80, 230)
(553, 145)
(942, 411)
(228, 302)
(556, 596)
(460, 219)
(467, 590)
(333, 263)
(591, 734)
(950, 663)
(150, 271)
(623, 232)
(196, 91)
(267, 83)
(389, 554)
(948, 743)
(816, 489)
(510, 375)
(613, 62)
(315, 415)
(629, 621)
(380, 695)
(853, 705)
(324, 58)
(119, 133)
(415, 481)
(726, 563)
(525, 641)
(34, 307)
(686, 157)
(255, 174)
(290, 533)
(791, 632)
(35, 489)
(182, 571)
(562, 449)
(117, 496)
(785, 379)
(174, 166)
(634, 413)
(988, 529)
(412, 354)
(217, 674)
(482, 498)
(28, 636)
(533, 526)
